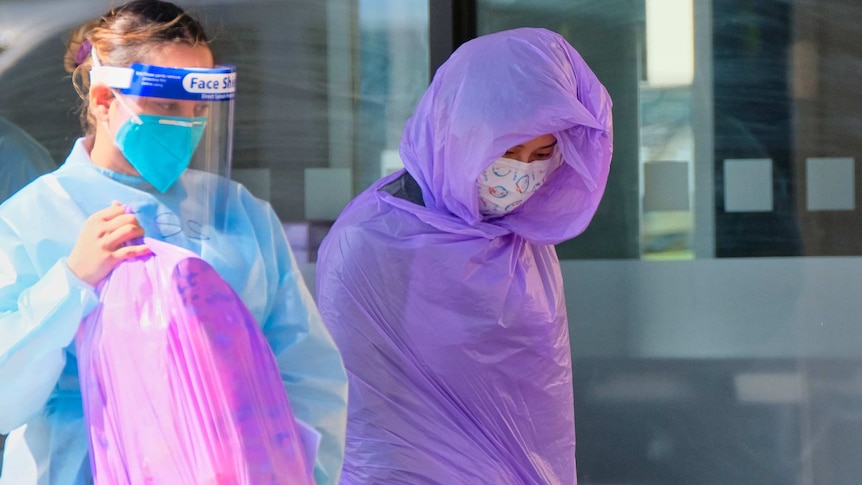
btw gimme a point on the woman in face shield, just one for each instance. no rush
(440, 283)
(127, 177)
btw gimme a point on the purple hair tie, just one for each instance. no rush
(83, 51)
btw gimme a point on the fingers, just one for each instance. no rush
(119, 221)
(115, 238)
(109, 212)
(100, 245)
(129, 252)
(114, 226)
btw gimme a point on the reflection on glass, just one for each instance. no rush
(667, 158)
(393, 68)
(667, 139)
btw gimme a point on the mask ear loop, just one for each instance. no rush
(557, 158)
(125, 104)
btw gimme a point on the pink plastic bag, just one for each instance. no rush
(179, 384)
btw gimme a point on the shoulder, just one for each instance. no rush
(219, 187)
(18, 203)
(241, 206)
(18, 147)
(363, 230)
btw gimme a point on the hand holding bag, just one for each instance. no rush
(179, 383)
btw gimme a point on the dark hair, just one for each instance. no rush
(125, 35)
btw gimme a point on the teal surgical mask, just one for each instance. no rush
(160, 148)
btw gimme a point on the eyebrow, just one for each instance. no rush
(540, 148)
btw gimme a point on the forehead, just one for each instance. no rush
(542, 141)
(181, 56)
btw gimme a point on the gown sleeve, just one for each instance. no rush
(310, 364)
(39, 317)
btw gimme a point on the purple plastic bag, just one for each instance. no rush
(179, 384)
(453, 327)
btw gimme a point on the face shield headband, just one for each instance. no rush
(161, 147)
(188, 84)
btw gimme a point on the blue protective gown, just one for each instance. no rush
(42, 303)
(22, 159)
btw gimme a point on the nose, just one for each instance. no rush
(519, 155)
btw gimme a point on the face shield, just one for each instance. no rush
(179, 131)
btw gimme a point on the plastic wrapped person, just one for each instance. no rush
(157, 149)
(441, 285)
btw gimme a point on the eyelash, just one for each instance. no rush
(541, 156)
(171, 107)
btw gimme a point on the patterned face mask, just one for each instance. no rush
(508, 183)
